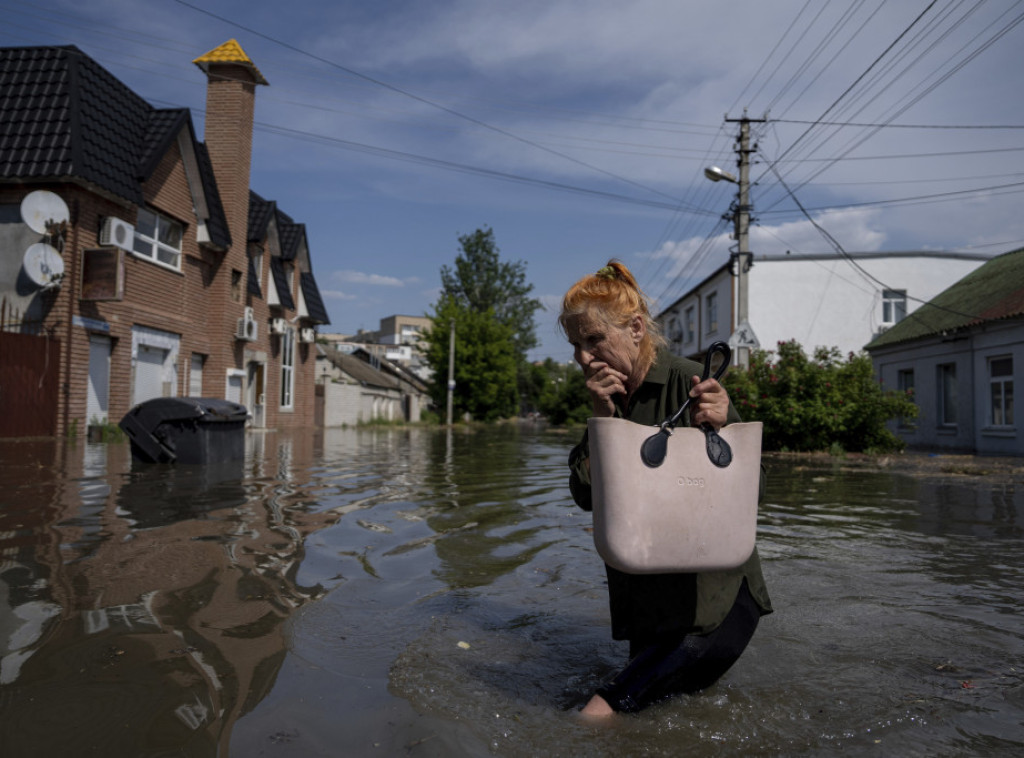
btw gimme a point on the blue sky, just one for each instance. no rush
(579, 130)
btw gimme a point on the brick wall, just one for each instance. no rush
(201, 303)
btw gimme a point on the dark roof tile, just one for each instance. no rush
(217, 224)
(992, 292)
(260, 213)
(311, 294)
(284, 295)
(290, 234)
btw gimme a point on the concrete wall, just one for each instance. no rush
(970, 353)
(820, 300)
(350, 404)
(826, 301)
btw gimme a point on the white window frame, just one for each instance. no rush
(1001, 389)
(162, 248)
(234, 385)
(894, 306)
(691, 326)
(170, 344)
(288, 369)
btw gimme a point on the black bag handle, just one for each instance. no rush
(654, 448)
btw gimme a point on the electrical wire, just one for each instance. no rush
(424, 100)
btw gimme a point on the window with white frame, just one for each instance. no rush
(287, 367)
(947, 394)
(1000, 374)
(711, 303)
(894, 306)
(158, 238)
(691, 325)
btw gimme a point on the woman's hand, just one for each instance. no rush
(710, 403)
(603, 384)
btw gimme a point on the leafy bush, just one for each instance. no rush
(819, 403)
(566, 401)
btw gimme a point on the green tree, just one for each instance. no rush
(489, 301)
(481, 281)
(818, 402)
(565, 399)
(485, 362)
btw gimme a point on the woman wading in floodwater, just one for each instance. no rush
(684, 630)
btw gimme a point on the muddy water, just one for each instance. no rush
(425, 593)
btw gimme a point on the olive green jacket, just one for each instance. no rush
(654, 605)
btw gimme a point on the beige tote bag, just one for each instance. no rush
(685, 515)
(670, 500)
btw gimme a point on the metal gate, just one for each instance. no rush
(29, 367)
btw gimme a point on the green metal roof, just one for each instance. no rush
(992, 292)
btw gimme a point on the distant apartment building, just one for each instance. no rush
(397, 340)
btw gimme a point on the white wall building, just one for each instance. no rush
(818, 300)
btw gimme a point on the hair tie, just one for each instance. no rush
(607, 273)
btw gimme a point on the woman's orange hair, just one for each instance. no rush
(612, 297)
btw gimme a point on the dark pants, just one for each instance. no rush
(661, 668)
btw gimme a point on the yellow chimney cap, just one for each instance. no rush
(229, 52)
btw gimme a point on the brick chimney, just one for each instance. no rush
(230, 103)
(231, 80)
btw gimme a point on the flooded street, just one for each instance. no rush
(423, 592)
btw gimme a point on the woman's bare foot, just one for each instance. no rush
(597, 707)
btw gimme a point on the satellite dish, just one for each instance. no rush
(42, 207)
(43, 265)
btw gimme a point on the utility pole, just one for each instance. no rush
(451, 368)
(741, 259)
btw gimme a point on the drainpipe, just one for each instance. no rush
(71, 279)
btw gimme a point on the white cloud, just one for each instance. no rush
(337, 295)
(852, 228)
(360, 277)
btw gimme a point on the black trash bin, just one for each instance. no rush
(186, 430)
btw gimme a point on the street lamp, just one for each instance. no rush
(715, 174)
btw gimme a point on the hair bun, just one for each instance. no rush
(607, 273)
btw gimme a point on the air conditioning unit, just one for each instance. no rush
(278, 326)
(308, 334)
(248, 329)
(117, 232)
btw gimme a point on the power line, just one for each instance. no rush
(918, 199)
(420, 99)
(849, 258)
(467, 169)
(901, 126)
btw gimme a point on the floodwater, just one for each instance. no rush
(417, 592)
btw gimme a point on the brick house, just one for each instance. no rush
(177, 279)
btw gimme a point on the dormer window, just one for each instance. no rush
(158, 239)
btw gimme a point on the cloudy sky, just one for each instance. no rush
(579, 129)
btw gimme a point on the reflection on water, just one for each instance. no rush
(143, 606)
(434, 593)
